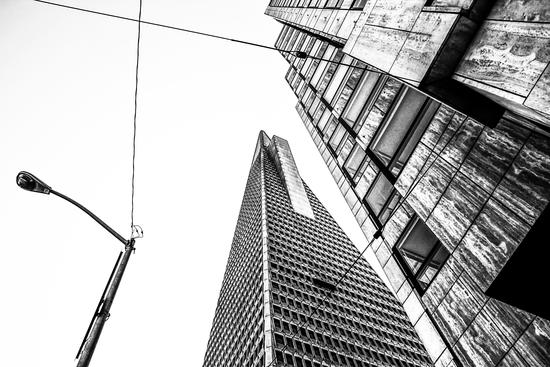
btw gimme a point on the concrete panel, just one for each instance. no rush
(456, 211)
(438, 124)
(396, 14)
(340, 16)
(490, 242)
(462, 142)
(348, 23)
(508, 55)
(525, 187)
(442, 283)
(379, 47)
(430, 188)
(521, 10)
(539, 98)
(459, 308)
(493, 153)
(422, 45)
(483, 344)
(464, 4)
(534, 344)
(412, 168)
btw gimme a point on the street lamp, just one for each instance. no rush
(29, 182)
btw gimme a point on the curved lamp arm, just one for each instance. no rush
(29, 182)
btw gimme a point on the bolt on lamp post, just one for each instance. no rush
(29, 182)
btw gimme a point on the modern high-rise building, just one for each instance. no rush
(433, 118)
(288, 298)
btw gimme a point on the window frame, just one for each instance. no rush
(413, 276)
(423, 115)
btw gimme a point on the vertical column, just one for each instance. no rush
(265, 270)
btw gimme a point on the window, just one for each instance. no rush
(360, 97)
(329, 129)
(337, 137)
(402, 128)
(354, 160)
(324, 119)
(382, 198)
(421, 253)
(337, 79)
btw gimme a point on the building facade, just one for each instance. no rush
(287, 297)
(416, 108)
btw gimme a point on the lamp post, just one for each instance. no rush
(29, 182)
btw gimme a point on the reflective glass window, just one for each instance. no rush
(360, 97)
(422, 252)
(397, 124)
(355, 159)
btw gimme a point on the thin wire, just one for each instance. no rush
(376, 235)
(196, 32)
(156, 24)
(135, 120)
(294, 52)
(319, 305)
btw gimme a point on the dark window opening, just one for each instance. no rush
(382, 198)
(324, 284)
(420, 253)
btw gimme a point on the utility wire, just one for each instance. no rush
(155, 24)
(297, 53)
(135, 120)
(376, 235)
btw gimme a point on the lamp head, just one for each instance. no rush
(29, 182)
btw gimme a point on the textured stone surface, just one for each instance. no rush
(388, 94)
(465, 4)
(403, 13)
(456, 210)
(412, 168)
(511, 321)
(483, 343)
(539, 98)
(534, 344)
(378, 46)
(490, 242)
(436, 127)
(383, 253)
(521, 10)
(442, 283)
(430, 337)
(493, 153)
(452, 127)
(429, 189)
(461, 142)
(508, 55)
(525, 187)
(512, 359)
(459, 307)
(422, 45)
(394, 273)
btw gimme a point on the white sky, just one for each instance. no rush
(66, 108)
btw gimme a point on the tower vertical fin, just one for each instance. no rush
(280, 152)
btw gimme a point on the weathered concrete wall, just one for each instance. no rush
(508, 59)
(406, 39)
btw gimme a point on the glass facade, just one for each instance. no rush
(281, 302)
